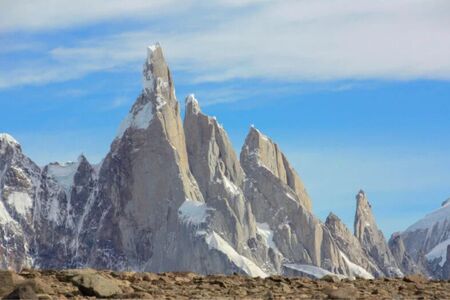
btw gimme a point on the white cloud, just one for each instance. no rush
(277, 40)
(56, 14)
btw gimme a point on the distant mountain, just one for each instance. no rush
(174, 196)
(427, 242)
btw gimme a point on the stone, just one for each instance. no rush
(8, 281)
(330, 278)
(415, 278)
(24, 290)
(341, 293)
(96, 285)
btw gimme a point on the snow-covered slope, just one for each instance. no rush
(427, 240)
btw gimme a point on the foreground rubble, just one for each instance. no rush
(88, 283)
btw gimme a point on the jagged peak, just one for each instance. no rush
(446, 202)
(395, 235)
(332, 217)
(256, 133)
(7, 138)
(361, 195)
(82, 158)
(192, 105)
(151, 49)
(155, 74)
(158, 90)
(8, 142)
(362, 203)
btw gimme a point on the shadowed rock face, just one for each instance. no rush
(18, 175)
(426, 240)
(350, 246)
(267, 154)
(372, 239)
(405, 262)
(300, 237)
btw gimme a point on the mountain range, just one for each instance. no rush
(173, 195)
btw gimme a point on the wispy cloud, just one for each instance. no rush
(41, 15)
(276, 40)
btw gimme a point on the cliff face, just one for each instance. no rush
(300, 237)
(426, 241)
(372, 239)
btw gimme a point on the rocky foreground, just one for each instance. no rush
(88, 283)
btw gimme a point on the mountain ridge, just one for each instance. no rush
(173, 195)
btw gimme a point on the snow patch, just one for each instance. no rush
(266, 233)
(21, 202)
(148, 80)
(314, 271)
(139, 120)
(63, 174)
(355, 269)
(191, 99)
(5, 218)
(230, 186)
(216, 242)
(7, 140)
(193, 212)
(291, 197)
(53, 212)
(438, 217)
(151, 49)
(439, 252)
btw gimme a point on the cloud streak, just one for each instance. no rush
(278, 40)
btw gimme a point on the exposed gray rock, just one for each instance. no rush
(142, 183)
(405, 262)
(216, 168)
(372, 239)
(299, 236)
(19, 178)
(351, 247)
(446, 266)
(426, 240)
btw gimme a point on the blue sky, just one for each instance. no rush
(356, 93)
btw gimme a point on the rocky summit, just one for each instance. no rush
(172, 195)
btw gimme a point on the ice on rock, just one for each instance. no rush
(266, 233)
(215, 241)
(148, 79)
(5, 217)
(193, 212)
(439, 217)
(314, 271)
(6, 138)
(21, 202)
(439, 252)
(63, 173)
(191, 99)
(231, 187)
(355, 269)
(140, 120)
